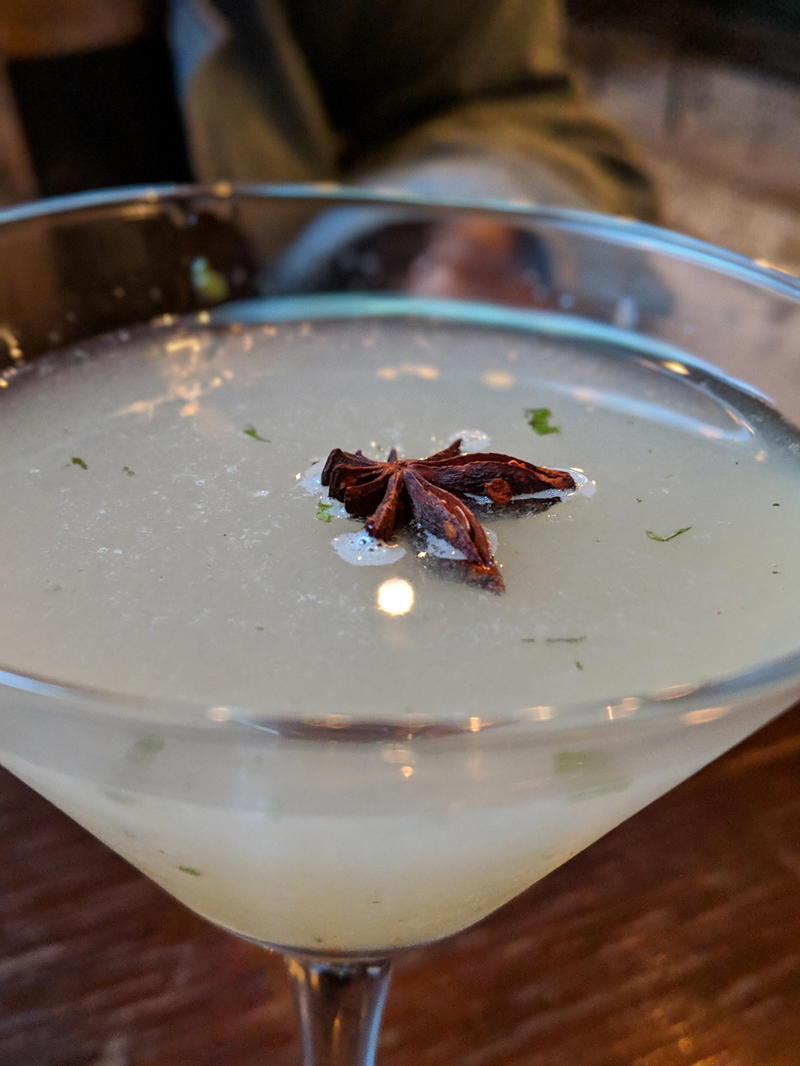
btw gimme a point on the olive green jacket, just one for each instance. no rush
(467, 98)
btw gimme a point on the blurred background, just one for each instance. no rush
(710, 89)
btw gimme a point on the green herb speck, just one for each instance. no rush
(672, 536)
(566, 640)
(190, 870)
(146, 748)
(578, 664)
(127, 470)
(77, 461)
(251, 431)
(538, 419)
(208, 282)
(323, 511)
(528, 640)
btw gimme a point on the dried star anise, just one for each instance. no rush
(431, 495)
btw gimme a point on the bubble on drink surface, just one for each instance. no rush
(361, 549)
(438, 548)
(584, 485)
(333, 508)
(311, 483)
(310, 480)
(472, 440)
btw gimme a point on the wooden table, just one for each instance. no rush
(673, 941)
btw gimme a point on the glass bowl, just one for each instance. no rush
(375, 832)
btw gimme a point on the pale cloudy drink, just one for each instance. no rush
(165, 535)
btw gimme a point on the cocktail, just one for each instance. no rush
(327, 741)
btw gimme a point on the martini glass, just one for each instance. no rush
(342, 829)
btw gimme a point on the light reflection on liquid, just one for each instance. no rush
(498, 379)
(424, 371)
(186, 376)
(704, 714)
(181, 344)
(395, 596)
(541, 714)
(626, 706)
(676, 692)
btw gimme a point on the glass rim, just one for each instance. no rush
(712, 694)
(631, 231)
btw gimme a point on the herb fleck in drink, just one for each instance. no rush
(166, 534)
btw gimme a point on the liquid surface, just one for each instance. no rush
(152, 542)
(163, 532)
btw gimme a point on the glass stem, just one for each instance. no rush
(340, 1007)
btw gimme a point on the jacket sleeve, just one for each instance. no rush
(472, 97)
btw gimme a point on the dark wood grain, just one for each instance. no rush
(673, 941)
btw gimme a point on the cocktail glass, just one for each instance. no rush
(388, 831)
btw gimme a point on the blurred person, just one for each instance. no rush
(468, 98)
(465, 98)
(458, 98)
